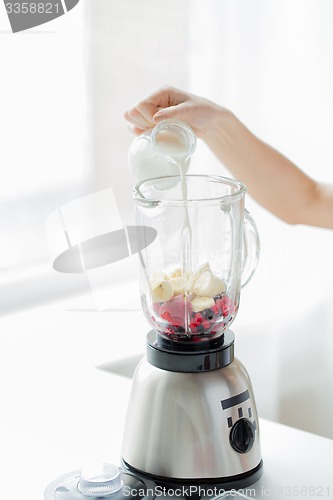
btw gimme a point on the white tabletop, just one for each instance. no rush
(60, 407)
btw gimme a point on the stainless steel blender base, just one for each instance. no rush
(201, 487)
(193, 426)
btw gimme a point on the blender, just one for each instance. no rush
(191, 421)
(192, 417)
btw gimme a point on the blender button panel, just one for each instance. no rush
(229, 422)
(250, 412)
(240, 412)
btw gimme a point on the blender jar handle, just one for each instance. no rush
(251, 249)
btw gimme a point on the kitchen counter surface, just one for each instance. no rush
(62, 406)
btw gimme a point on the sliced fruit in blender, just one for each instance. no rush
(195, 275)
(208, 285)
(201, 303)
(161, 290)
(178, 285)
(176, 273)
(173, 311)
(224, 304)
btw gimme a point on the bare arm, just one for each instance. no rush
(271, 179)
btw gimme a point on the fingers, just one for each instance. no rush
(143, 114)
(180, 111)
(166, 97)
(137, 119)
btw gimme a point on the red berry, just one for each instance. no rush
(215, 309)
(226, 305)
(217, 327)
(198, 318)
(206, 324)
(166, 315)
(173, 311)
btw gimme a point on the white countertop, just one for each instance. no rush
(59, 408)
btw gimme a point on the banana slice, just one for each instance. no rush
(219, 286)
(161, 290)
(202, 303)
(193, 277)
(178, 285)
(176, 273)
(208, 285)
(158, 276)
(203, 267)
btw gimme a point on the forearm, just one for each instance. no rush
(271, 179)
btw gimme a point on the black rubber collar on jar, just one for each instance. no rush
(190, 356)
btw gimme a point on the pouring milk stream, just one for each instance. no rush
(177, 148)
(191, 277)
(166, 150)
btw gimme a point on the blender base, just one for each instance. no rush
(200, 488)
(192, 417)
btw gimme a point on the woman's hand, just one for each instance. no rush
(271, 179)
(169, 102)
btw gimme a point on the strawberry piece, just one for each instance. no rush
(173, 310)
(156, 307)
(167, 316)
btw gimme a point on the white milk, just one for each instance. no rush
(168, 156)
(175, 148)
(145, 162)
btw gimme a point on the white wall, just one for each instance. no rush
(271, 63)
(133, 48)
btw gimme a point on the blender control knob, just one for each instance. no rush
(242, 435)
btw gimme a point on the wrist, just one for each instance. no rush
(224, 133)
(220, 125)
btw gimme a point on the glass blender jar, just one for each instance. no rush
(206, 249)
(192, 408)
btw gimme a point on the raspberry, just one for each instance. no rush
(198, 318)
(215, 308)
(226, 305)
(206, 324)
(167, 316)
(217, 327)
